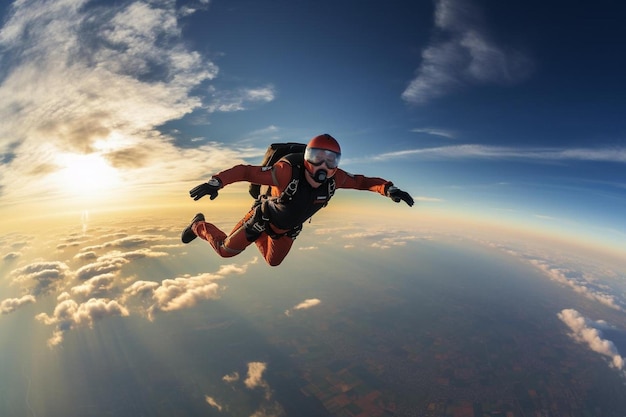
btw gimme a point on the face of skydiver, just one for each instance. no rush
(321, 164)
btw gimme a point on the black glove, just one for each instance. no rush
(207, 188)
(398, 195)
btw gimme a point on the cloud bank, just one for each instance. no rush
(589, 332)
(461, 54)
(578, 283)
(111, 273)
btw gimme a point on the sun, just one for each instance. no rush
(87, 175)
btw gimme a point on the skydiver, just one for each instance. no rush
(300, 185)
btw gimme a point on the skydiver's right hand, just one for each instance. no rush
(208, 188)
(398, 195)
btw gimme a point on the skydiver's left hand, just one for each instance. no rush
(208, 188)
(398, 195)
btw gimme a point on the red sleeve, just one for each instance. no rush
(278, 175)
(361, 182)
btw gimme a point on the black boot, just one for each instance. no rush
(188, 234)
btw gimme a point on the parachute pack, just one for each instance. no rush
(273, 154)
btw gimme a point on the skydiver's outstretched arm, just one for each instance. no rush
(279, 176)
(374, 184)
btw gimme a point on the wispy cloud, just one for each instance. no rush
(230, 101)
(434, 132)
(461, 54)
(381, 239)
(428, 199)
(474, 151)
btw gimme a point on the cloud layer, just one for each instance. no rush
(94, 281)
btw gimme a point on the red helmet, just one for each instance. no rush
(322, 149)
(326, 142)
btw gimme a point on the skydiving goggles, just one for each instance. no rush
(317, 156)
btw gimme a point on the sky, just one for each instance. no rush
(502, 112)
(504, 120)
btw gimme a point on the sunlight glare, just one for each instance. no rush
(86, 175)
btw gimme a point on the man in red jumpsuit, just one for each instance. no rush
(300, 185)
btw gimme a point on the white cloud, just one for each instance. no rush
(254, 378)
(462, 54)
(230, 101)
(189, 9)
(112, 262)
(141, 288)
(179, 293)
(434, 132)
(101, 266)
(126, 242)
(381, 239)
(69, 314)
(46, 275)
(183, 292)
(305, 305)
(589, 332)
(577, 283)
(87, 292)
(230, 378)
(95, 285)
(9, 305)
(213, 403)
(424, 199)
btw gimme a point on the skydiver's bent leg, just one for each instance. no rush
(249, 229)
(224, 245)
(274, 250)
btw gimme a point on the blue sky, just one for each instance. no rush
(508, 110)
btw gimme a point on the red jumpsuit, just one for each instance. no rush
(282, 218)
